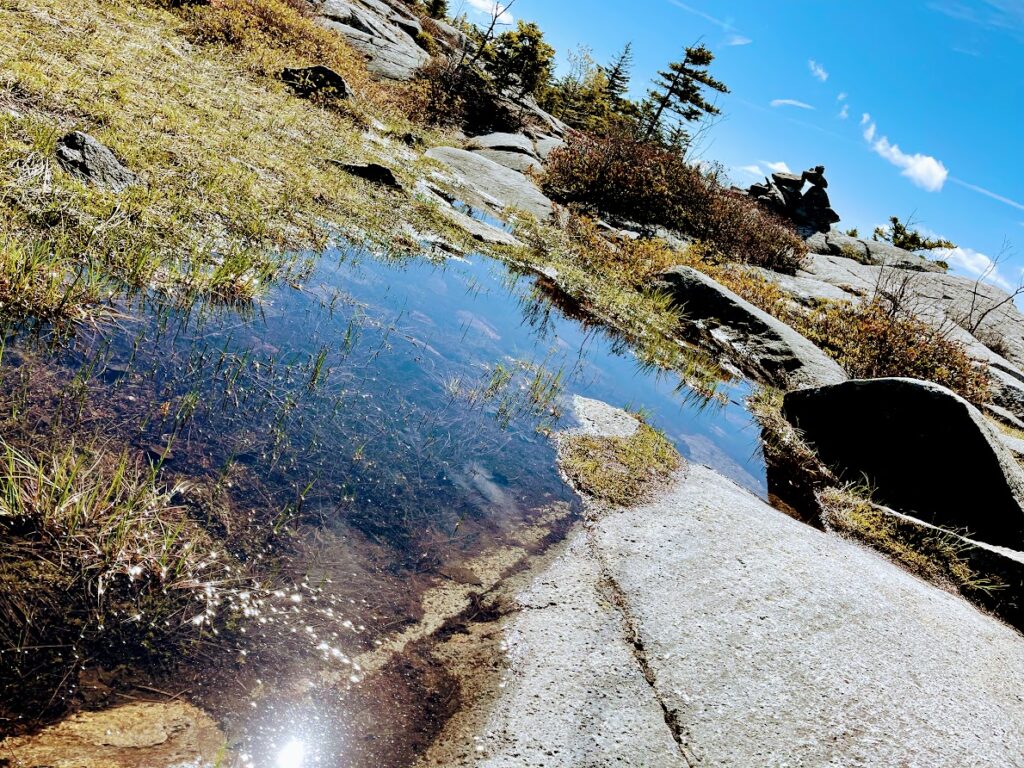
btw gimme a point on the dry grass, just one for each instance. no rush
(932, 554)
(622, 471)
(235, 169)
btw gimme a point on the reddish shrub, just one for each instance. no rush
(640, 182)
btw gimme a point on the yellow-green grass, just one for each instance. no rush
(234, 170)
(933, 554)
(622, 471)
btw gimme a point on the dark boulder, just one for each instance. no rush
(82, 156)
(318, 81)
(924, 451)
(372, 172)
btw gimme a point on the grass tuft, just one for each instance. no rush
(621, 471)
(100, 564)
(933, 554)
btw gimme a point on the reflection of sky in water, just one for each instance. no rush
(341, 394)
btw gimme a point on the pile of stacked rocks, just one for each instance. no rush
(783, 194)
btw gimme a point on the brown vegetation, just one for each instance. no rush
(643, 183)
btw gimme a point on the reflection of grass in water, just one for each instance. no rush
(618, 470)
(520, 389)
(100, 560)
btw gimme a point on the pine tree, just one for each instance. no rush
(680, 91)
(618, 75)
(522, 56)
(437, 9)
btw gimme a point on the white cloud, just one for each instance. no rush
(974, 263)
(923, 170)
(726, 25)
(779, 167)
(490, 7)
(753, 170)
(842, 96)
(738, 40)
(790, 103)
(817, 70)
(844, 113)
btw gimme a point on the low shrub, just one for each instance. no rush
(877, 339)
(637, 181)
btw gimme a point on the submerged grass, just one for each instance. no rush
(621, 471)
(100, 564)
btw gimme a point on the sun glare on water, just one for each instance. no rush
(292, 755)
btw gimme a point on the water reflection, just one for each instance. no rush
(362, 434)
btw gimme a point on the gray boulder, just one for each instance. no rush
(873, 252)
(548, 144)
(85, 158)
(761, 345)
(923, 449)
(513, 150)
(385, 32)
(493, 184)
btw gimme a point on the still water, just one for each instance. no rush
(394, 417)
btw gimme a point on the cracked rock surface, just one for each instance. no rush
(705, 628)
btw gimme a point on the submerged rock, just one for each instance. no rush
(924, 451)
(82, 156)
(316, 81)
(154, 735)
(760, 344)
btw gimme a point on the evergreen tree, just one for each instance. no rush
(618, 75)
(521, 55)
(680, 91)
(437, 9)
(903, 235)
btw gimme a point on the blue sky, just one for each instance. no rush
(942, 82)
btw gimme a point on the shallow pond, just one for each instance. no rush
(394, 415)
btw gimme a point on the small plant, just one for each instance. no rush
(619, 470)
(903, 235)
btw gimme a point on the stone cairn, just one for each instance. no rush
(783, 194)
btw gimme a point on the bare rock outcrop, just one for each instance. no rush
(759, 344)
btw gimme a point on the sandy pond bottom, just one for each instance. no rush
(391, 419)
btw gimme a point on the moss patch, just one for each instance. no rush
(619, 470)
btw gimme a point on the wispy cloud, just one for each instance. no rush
(999, 15)
(989, 193)
(738, 40)
(842, 96)
(844, 113)
(817, 70)
(765, 168)
(726, 25)
(923, 170)
(491, 7)
(789, 103)
(777, 167)
(974, 263)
